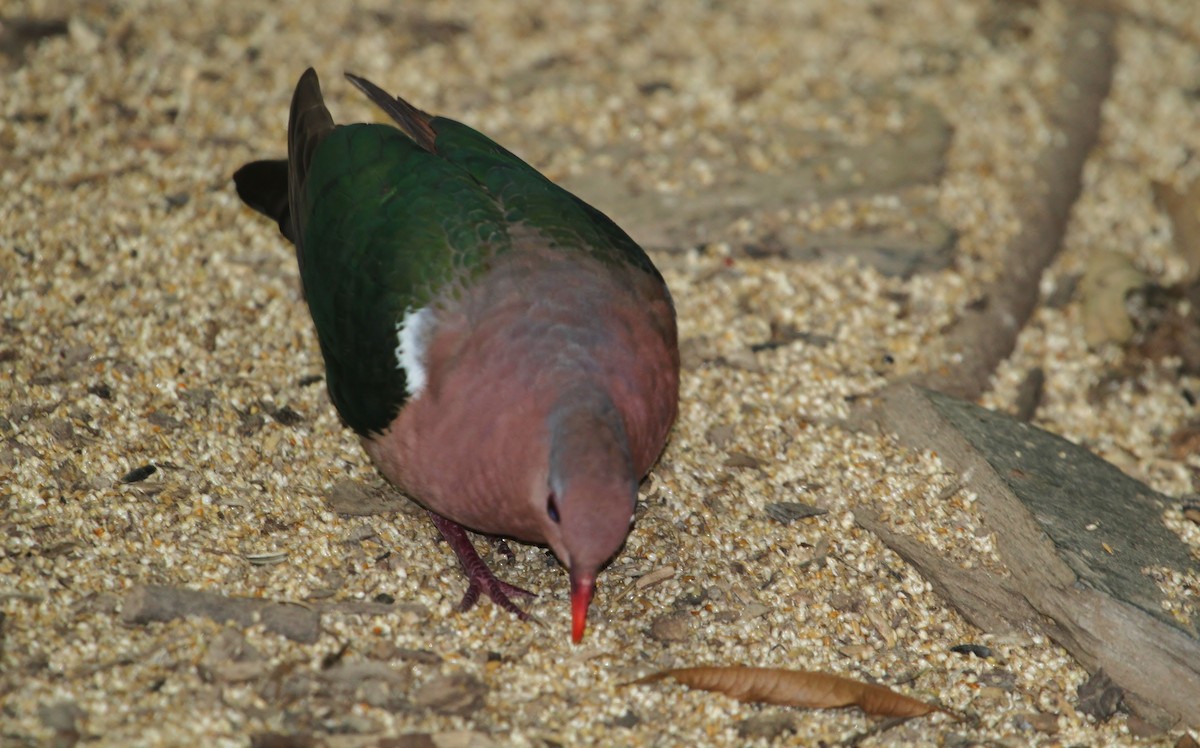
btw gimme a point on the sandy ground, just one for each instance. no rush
(148, 317)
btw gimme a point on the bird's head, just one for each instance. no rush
(588, 500)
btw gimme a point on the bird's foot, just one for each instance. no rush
(480, 579)
(499, 591)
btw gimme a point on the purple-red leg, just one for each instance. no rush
(480, 578)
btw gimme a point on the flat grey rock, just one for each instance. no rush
(1106, 526)
(1078, 537)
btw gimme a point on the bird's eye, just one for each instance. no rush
(552, 508)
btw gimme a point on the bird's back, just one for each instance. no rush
(390, 222)
(506, 353)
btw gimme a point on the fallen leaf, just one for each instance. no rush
(801, 688)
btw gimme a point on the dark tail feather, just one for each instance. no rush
(263, 185)
(413, 121)
(308, 124)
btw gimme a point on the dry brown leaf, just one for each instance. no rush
(801, 688)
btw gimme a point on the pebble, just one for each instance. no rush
(672, 627)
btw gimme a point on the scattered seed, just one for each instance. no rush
(978, 650)
(333, 658)
(742, 460)
(266, 559)
(649, 88)
(661, 574)
(287, 416)
(787, 512)
(139, 474)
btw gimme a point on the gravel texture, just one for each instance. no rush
(148, 318)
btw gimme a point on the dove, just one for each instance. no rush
(506, 354)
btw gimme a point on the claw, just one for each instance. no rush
(480, 579)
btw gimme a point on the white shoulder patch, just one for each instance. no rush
(412, 333)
